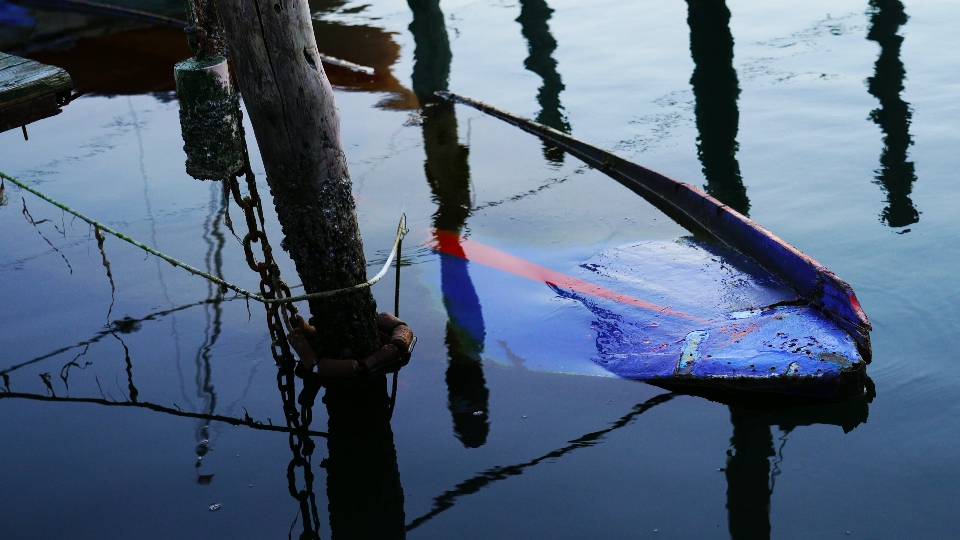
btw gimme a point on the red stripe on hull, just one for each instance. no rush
(471, 250)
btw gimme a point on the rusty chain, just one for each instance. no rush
(279, 316)
(272, 285)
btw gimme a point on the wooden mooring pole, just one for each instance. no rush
(297, 126)
(290, 104)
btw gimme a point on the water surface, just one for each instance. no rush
(830, 123)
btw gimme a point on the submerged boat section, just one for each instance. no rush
(687, 313)
(759, 316)
(693, 208)
(747, 330)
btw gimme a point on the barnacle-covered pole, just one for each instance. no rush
(290, 104)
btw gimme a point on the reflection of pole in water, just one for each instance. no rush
(896, 175)
(748, 476)
(215, 240)
(466, 387)
(716, 89)
(363, 479)
(533, 18)
(431, 56)
(447, 169)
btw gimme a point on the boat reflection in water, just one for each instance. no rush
(750, 473)
(896, 175)
(753, 460)
(447, 170)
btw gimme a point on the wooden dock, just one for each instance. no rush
(30, 91)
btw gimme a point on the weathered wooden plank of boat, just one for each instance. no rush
(693, 208)
(30, 91)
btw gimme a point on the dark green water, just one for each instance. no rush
(833, 124)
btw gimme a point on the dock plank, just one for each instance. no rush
(29, 90)
(7, 61)
(27, 79)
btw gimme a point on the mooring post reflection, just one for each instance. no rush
(432, 55)
(750, 473)
(533, 18)
(447, 169)
(363, 479)
(748, 476)
(896, 175)
(716, 90)
(215, 239)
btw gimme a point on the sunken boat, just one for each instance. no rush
(732, 309)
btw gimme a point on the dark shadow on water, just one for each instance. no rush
(896, 175)
(447, 169)
(112, 53)
(108, 57)
(716, 90)
(364, 44)
(363, 479)
(533, 18)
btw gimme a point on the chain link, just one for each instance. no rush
(279, 317)
(272, 285)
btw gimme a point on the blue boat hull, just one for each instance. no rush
(723, 323)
